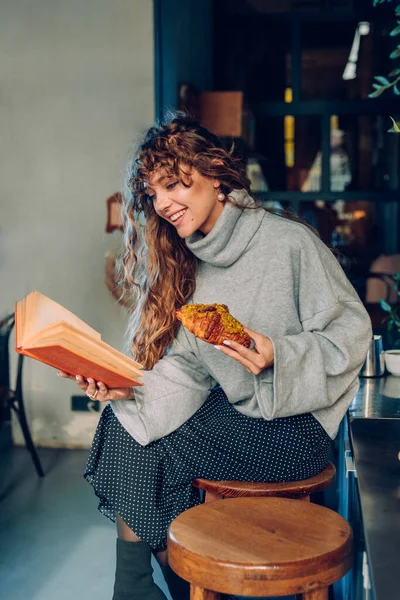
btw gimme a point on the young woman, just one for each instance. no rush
(266, 413)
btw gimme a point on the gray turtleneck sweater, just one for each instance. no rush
(279, 279)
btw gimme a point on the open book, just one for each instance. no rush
(51, 334)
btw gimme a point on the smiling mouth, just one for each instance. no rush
(178, 215)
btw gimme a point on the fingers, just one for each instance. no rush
(89, 385)
(97, 390)
(102, 388)
(90, 389)
(82, 383)
(254, 360)
(235, 351)
(249, 355)
(65, 375)
(104, 393)
(252, 334)
(257, 338)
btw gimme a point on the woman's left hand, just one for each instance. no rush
(254, 360)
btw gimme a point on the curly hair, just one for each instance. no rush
(158, 269)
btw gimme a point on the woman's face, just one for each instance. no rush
(188, 209)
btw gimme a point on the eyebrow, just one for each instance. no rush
(159, 180)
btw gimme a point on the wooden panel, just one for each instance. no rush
(221, 112)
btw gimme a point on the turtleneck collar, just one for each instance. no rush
(231, 233)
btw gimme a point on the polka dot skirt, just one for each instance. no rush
(151, 485)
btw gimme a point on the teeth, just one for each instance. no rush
(177, 215)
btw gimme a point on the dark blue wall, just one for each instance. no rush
(183, 48)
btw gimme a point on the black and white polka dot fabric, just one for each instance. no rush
(149, 486)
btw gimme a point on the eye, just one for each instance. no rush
(172, 185)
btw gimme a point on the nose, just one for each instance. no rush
(162, 202)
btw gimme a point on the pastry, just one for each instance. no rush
(212, 323)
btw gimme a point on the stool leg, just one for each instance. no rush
(198, 593)
(321, 594)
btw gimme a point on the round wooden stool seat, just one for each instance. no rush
(260, 547)
(292, 489)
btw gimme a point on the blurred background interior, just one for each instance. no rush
(288, 81)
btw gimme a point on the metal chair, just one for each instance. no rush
(12, 398)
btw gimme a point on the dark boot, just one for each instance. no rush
(134, 573)
(178, 587)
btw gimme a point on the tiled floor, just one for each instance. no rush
(54, 544)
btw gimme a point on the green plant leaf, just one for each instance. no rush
(384, 305)
(382, 80)
(377, 92)
(394, 73)
(396, 128)
(395, 31)
(395, 53)
(396, 89)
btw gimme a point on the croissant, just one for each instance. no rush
(212, 323)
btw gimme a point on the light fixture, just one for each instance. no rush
(350, 71)
(364, 27)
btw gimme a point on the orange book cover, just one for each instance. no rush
(48, 332)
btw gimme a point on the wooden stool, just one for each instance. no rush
(260, 547)
(300, 490)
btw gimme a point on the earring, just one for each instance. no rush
(221, 196)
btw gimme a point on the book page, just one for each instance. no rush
(41, 313)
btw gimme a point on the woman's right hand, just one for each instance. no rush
(96, 390)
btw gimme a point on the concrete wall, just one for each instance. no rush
(76, 87)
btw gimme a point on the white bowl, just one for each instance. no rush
(392, 361)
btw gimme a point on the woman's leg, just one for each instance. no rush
(179, 588)
(134, 573)
(124, 532)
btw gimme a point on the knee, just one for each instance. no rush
(124, 532)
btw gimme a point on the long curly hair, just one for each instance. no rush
(159, 272)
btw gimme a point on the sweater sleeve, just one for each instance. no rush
(173, 391)
(318, 366)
